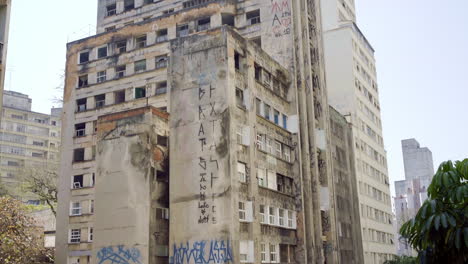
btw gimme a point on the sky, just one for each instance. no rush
(421, 52)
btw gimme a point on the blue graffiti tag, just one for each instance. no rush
(202, 252)
(119, 255)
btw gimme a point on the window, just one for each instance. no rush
(278, 149)
(161, 88)
(246, 251)
(140, 65)
(37, 155)
(287, 153)
(269, 146)
(75, 235)
(242, 211)
(266, 78)
(141, 41)
(168, 11)
(258, 72)
(121, 46)
(281, 217)
(273, 253)
(100, 100)
(108, 29)
(83, 81)
(80, 129)
(140, 92)
(84, 57)
(237, 61)
(38, 143)
(162, 140)
(276, 116)
(262, 214)
(101, 76)
(253, 17)
(182, 30)
(75, 208)
(102, 52)
(91, 204)
(261, 175)
(119, 96)
(129, 4)
(120, 71)
(161, 62)
(258, 106)
(285, 121)
(240, 98)
(263, 253)
(203, 24)
(111, 9)
(81, 105)
(148, 2)
(271, 216)
(78, 154)
(241, 172)
(266, 109)
(290, 219)
(90, 234)
(161, 35)
(227, 19)
(260, 142)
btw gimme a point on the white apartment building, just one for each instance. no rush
(353, 91)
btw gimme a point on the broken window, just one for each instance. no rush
(240, 98)
(141, 41)
(80, 129)
(84, 57)
(102, 52)
(227, 19)
(258, 72)
(101, 76)
(182, 30)
(81, 105)
(140, 92)
(161, 35)
(83, 81)
(203, 24)
(111, 9)
(161, 88)
(119, 97)
(161, 62)
(120, 71)
(129, 4)
(162, 141)
(140, 65)
(78, 154)
(121, 46)
(100, 100)
(237, 61)
(253, 17)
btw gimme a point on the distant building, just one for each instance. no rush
(27, 139)
(411, 192)
(5, 7)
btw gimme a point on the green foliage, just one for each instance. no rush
(402, 260)
(21, 242)
(439, 231)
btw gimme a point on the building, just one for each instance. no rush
(412, 192)
(27, 139)
(353, 91)
(5, 8)
(250, 166)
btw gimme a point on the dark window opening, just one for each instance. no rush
(257, 41)
(227, 19)
(140, 65)
(240, 97)
(102, 52)
(80, 129)
(111, 9)
(182, 30)
(163, 109)
(81, 105)
(258, 72)
(78, 154)
(84, 57)
(162, 141)
(120, 71)
(121, 46)
(162, 35)
(108, 29)
(129, 4)
(141, 41)
(253, 17)
(100, 100)
(119, 97)
(161, 62)
(77, 181)
(203, 24)
(161, 88)
(82, 81)
(140, 92)
(148, 2)
(162, 176)
(237, 61)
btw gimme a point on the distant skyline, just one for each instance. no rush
(420, 53)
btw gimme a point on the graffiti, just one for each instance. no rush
(202, 252)
(281, 24)
(119, 255)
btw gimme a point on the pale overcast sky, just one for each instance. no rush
(421, 51)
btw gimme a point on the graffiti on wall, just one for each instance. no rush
(119, 255)
(281, 11)
(202, 252)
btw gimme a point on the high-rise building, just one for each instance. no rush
(352, 90)
(250, 179)
(411, 192)
(5, 7)
(28, 140)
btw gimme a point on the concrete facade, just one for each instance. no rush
(5, 9)
(251, 177)
(412, 192)
(353, 91)
(27, 139)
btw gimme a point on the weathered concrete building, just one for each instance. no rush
(411, 192)
(28, 140)
(250, 177)
(353, 91)
(5, 9)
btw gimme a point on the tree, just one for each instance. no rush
(402, 260)
(21, 242)
(439, 231)
(42, 182)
